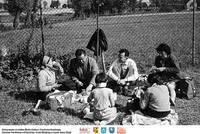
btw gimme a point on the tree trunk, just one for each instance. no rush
(28, 18)
(16, 19)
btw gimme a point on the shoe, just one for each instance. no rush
(172, 103)
(97, 122)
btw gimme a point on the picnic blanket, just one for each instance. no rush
(63, 99)
(138, 118)
(90, 115)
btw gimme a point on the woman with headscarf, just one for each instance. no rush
(47, 78)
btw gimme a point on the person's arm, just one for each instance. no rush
(144, 99)
(157, 62)
(42, 83)
(175, 68)
(110, 72)
(91, 96)
(111, 98)
(95, 71)
(71, 71)
(135, 74)
(58, 65)
(175, 65)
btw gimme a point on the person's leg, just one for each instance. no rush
(128, 88)
(155, 114)
(171, 86)
(67, 83)
(108, 115)
(97, 117)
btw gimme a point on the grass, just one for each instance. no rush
(15, 101)
(139, 34)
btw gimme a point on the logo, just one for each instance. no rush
(84, 130)
(111, 130)
(95, 130)
(103, 130)
(121, 130)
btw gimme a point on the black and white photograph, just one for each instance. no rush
(99, 63)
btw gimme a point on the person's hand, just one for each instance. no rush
(161, 69)
(79, 83)
(118, 81)
(153, 69)
(139, 93)
(89, 88)
(122, 82)
(56, 85)
(74, 79)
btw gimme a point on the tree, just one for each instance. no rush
(132, 4)
(16, 7)
(82, 7)
(45, 4)
(55, 4)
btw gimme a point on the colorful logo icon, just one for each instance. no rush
(95, 130)
(103, 130)
(84, 130)
(121, 130)
(111, 130)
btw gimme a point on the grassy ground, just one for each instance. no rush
(139, 34)
(14, 102)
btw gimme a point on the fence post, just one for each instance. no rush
(193, 33)
(41, 27)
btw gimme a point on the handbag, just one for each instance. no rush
(185, 88)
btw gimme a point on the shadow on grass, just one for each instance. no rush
(75, 110)
(27, 96)
(78, 112)
(71, 111)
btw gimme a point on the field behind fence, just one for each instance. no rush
(140, 34)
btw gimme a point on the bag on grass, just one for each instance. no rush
(185, 88)
(133, 104)
(59, 100)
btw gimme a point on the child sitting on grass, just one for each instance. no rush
(155, 101)
(103, 101)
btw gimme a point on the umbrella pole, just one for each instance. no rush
(102, 53)
(103, 62)
(97, 31)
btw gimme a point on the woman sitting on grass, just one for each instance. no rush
(102, 99)
(167, 66)
(155, 101)
(47, 78)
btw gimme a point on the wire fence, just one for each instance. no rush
(140, 32)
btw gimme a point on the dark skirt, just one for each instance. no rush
(154, 113)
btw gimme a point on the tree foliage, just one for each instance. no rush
(16, 7)
(87, 7)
